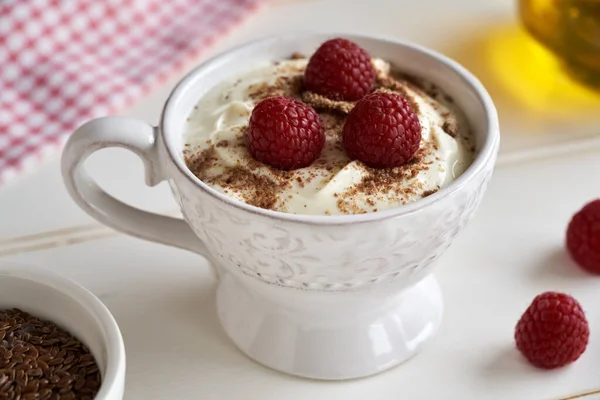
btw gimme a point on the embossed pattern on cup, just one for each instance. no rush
(331, 257)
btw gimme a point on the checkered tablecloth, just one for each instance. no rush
(63, 62)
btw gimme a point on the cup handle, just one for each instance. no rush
(141, 138)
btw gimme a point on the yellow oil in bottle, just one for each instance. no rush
(571, 30)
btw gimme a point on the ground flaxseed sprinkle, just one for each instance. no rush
(428, 193)
(257, 190)
(322, 103)
(450, 126)
(40, 361)
(288, 86)
(297, 56)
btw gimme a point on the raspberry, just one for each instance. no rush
(553, 331)
(382, 131)
(285, 133)
(583, 237)
(340, 70)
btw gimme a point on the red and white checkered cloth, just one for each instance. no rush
(63, 62)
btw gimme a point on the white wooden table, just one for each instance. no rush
(163, 300)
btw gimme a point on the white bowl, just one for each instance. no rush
(72, 307)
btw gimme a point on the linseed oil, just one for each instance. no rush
(571, 30)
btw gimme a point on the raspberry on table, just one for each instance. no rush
(382, 131)
(583, 237)
(340, 70)
(285, 133)
(553, 331)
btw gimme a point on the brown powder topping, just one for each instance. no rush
(390, 83)
(289, 86)
(450, 126)
(256, 190)
(381, 184)
(322, 103)
(200, 162)
(430, 192)
(332, 122)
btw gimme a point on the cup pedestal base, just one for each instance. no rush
(330, 336)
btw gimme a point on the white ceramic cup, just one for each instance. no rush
(69, 305)
(328, 297)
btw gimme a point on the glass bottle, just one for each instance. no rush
(571, 30)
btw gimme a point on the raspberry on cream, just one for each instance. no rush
(285, 133)
(334, 184)
(382, 131)
(340, 70)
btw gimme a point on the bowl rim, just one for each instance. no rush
(483, 157)
(115, 348)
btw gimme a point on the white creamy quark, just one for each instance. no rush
(334, 184)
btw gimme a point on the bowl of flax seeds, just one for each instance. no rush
(57, 340)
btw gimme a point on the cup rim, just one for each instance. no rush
(115, 348)
(486, 152)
